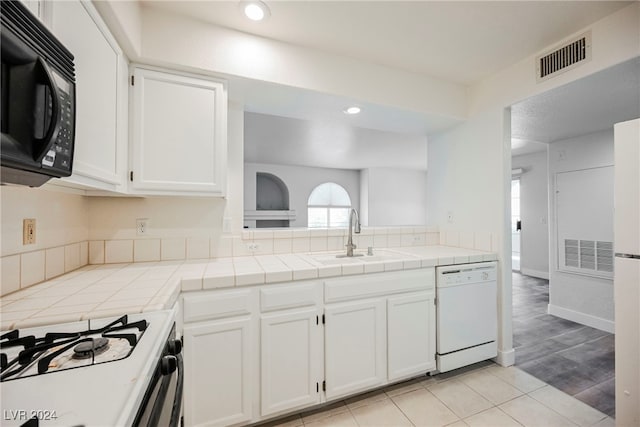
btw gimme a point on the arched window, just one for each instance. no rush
(328, 206)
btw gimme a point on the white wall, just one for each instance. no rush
(469, 189)
(173, 39)
(393, 196)
(300, 181)
(584, 299)
(534, 213)
(62, 228)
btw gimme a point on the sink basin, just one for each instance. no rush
(340, 258)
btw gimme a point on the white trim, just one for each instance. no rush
(506, 358)
(535, 273)
(582, 318)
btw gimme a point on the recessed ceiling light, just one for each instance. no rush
(352, 110)
(255, 10)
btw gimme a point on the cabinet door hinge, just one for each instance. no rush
(133, 80)
(324, 386)
(131, 176)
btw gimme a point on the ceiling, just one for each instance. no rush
(457, 41)
(588, 105)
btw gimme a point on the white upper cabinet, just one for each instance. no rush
(101, 96)
(179, 134)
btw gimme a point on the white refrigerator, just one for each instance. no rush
(627, 271)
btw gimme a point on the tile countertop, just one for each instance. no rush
(106, 290)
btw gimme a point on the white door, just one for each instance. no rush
(355, 344)
(515, 225)
(218, 372)
(291, 359)
(179, 133)
(627, 271)
(411, 332)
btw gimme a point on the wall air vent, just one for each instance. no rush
(564, 58)
(588, 256)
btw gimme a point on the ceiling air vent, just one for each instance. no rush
(564, 58)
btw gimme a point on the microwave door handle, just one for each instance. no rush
(54, 127)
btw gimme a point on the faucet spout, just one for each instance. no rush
(352, 228)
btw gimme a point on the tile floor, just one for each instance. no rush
(483, 395)
(576, 359)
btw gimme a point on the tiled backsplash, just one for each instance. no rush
(256, 242)
(26, 269)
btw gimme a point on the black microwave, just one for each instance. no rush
(38, 100)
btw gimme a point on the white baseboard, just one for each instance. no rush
(582, 318)
(535, 273)
(506, 358)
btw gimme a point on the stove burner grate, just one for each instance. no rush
(43, 350)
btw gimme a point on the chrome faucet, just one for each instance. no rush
(350, 246)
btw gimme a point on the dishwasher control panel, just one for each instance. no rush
(467, 273)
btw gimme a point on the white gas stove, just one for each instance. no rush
(90, 373)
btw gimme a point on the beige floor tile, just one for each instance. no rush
(324, 412)
(461, 399)
(531, 413)
(424, 409)
(404, 387)
(493, 417)
(607, 422)
(366, 399)
(383, 413)
(293, 421)
(344, 419)
(491, 387)
(568, 406)
(517, 378)
(458, 424)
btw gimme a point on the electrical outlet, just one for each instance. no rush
(142, 226)
(253, 246)
(28, 231)
(449, 216)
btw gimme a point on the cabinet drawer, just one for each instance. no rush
(217, 305)
(290, 296)
(371, 285)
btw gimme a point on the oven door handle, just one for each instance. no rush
(169, 365)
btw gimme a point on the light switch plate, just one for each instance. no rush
(28, 231)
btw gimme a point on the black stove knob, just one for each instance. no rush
(168, 365)
(174, 347)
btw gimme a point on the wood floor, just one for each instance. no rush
(576, 359)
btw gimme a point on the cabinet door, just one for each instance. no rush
(218, 372)
(411, 332)
(355, 344)
(291, 358)
(99, 159)
(179, 134)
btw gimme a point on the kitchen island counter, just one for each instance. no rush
(104, 290)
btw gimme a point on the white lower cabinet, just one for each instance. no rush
(255, 353)
(355, 344)
(411, 335)
(219, 377)
(291, 360)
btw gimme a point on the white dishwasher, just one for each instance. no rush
(467, 314)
